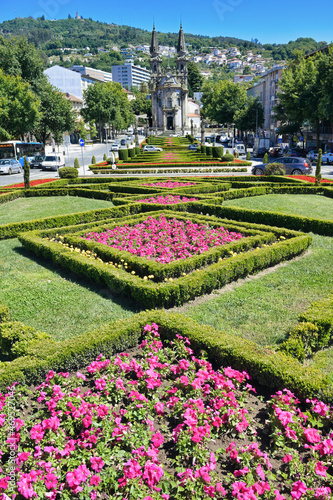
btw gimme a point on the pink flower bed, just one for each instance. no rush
(164, 240)
(170, 184)
(167, 200)
(162, 425)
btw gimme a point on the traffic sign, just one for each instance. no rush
(81, 141)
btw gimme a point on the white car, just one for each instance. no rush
(327, 158)
(52, 162)
(10, 166)
(151, 148)
(115, 146)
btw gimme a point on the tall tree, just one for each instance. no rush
(20, 58)
(107, 104)
(302, 91)
(251, 116)
(222, 100)
(195, 79)
(56, 113)
(18, 107)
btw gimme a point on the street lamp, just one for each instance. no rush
(106, 140)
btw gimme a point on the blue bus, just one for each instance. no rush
(19, 149)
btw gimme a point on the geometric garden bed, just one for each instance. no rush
(154, 284)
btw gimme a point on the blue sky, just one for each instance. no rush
(269, 22)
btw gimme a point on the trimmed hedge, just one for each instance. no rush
(296, 222)
(123, 154)
(267, 367)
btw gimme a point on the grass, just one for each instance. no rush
(264, 309)
(316, 206)
(52, 300)
(37, 208)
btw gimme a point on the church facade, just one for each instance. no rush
(169, 88)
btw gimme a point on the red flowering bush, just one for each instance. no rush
(167, 200)
(36, 182)
(309, 178)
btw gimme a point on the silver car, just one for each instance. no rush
(10, 166)
(294, 166)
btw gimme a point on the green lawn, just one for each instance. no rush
(47, 206)
(316, 206)
(264, 309)
(51, 299)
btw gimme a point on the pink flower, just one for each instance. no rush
(323, 493)
(152, 473)
(157, 439)
(241, 472)
(159, 407)
(51, 481)
(312, 435)
(94, 480)
(298, 489)
(278, 496)
(96, 463)
(287, 458)
(37, 433)
(320, 469)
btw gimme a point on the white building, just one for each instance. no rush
(130, 75)
(97, 74)
(66, 80)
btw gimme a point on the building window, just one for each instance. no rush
(169, 102)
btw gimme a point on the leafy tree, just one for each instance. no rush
(247, 70)
(18, 107)
(251, 116)
(76, 163)
(302, 91)
(222, 100)
(107, 103)
(141, 105)
(56, 113)
(20, 58)
(195, 79)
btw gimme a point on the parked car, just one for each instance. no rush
(193, 147)
(327, 158)
(123, 142)
(293, 166)
(52, 163)
(276, 152)
(10, 166)
(312, 154)
(115, 146)
(261, 152)
(151, 148)
(36, 162)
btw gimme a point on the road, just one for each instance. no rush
(98, 150)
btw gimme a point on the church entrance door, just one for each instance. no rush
(170, 123)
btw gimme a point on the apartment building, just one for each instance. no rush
(130, 75)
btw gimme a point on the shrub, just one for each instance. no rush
(265, 159)
(76, 163)
(209, 151)
(4, 313)
(131, 153)
(123, 154)
(68, 173)
(248, 156)
(26, 174)
(275, 169)
(227, 157)
(105, 157)
(203, 149)
(16, 336)
(217, 153)
(93, 160)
